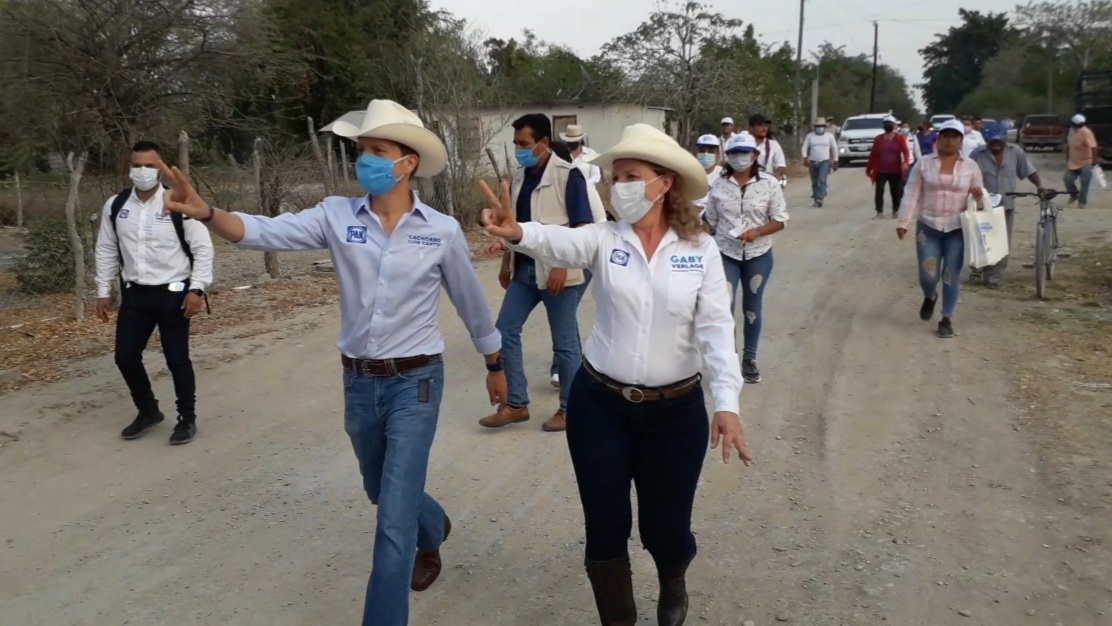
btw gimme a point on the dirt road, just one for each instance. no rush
(894, 483)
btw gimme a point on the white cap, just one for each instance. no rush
(707, 140)
(727, 120)
(890, 120)
(1078, 119)
(953, 125)
(742, 142)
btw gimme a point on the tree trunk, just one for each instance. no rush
(331, 159)
(18, 202)
(344, 160)
(315, 141)
(270, 259)
(76, 170)
(183, 153)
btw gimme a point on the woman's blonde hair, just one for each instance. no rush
(680, 213)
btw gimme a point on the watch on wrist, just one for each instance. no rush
(497, 366)
(199, 292)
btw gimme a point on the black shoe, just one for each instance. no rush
(612, 584)
(144, 421)
(945, 329)
(749, 371)
(926, 312)
(671, 606)
(184, 432)
(819, 203)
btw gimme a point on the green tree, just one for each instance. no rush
(954, 61)
(845, 83)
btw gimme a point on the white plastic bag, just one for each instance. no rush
(986, 236)
(1098, 174)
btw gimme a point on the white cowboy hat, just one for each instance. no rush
(645, 143)
(574, 134)
(386, 119)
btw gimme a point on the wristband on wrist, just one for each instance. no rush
(208, 218)
(497, 366)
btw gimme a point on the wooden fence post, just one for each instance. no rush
(183, 153)
(270, 259)
(331, 158)
(344, 160)
(78, 249)
(315, 141)
(18, 202)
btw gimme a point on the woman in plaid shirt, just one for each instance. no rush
(938, 190)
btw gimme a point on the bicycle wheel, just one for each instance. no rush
(1051, 247)
(1040, 260)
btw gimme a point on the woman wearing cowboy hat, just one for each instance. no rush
(635, 410)
(393, 256)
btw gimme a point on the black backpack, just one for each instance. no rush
(177, 219)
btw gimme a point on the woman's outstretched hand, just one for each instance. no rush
(726, 429)
(498, 218)
(182, 198)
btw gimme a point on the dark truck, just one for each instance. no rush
(1094, 101)
(1041, 132)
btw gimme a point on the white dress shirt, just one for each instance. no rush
(151, 251)
(591, 172)
(770, 156)
(971, 141)
(654, 316)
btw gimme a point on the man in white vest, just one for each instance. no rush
(548, 190)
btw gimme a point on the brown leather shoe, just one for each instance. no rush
(557, 423)
(504, 416)
(427, 565)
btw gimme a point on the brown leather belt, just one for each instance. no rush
(381, 368)
(637, 395)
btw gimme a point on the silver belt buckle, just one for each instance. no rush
(633, 394)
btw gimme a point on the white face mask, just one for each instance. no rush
(629, 201)
(707, 159)
(144, 178)
(740, 162)
(820, 130)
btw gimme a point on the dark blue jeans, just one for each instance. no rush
(391, 422)
(522, 296)
(941, 256)
(658, 446)
(555, 369)
(751, 275)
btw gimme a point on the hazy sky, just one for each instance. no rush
(585, 25)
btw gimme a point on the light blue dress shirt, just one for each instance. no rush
(389, 285)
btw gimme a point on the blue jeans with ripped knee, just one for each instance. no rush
(752, 275)
(941, 256)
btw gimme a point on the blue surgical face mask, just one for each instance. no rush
(376, 174)
(525, 157)
(707, 159)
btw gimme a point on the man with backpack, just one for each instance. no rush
(164, 265)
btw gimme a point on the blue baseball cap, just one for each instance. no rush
(995, 132)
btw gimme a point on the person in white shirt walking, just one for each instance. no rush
(706, 152)
(972, 139)
(164, 265)
(821, 151)
(636, 411)
(728, 130)
(746, 207)
(770, 154)
(580, 153)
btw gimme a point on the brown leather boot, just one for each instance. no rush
(504, 416)
(671, 606)
(427, 565)
(557, 423)
(612, 583)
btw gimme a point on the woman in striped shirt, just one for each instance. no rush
(938, 191)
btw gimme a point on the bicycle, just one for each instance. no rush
(1046, 236)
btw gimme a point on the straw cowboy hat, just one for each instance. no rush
(645, 143)
(386, 119)
(574, 134)
(820, 121)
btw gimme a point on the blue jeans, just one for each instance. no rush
(941, 256)
(819, 171)
(753, 274)
(555, 369)
(391, 422)
(1086, 176)
(522, 296)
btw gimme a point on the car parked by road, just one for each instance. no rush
(1042, 132)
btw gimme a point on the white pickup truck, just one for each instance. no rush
(855, 141)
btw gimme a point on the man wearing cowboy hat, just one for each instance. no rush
(548, 190)
(574, 137)
(393, 254)
(821, 151)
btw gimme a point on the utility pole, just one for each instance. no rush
(798, 68)
(876, 52)
(1050, 88)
